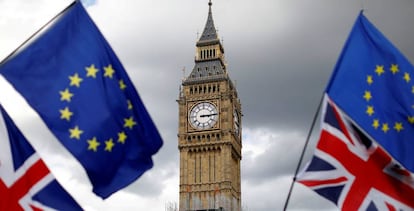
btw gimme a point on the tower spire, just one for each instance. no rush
(209, 32)
(209, 59)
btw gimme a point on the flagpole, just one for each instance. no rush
(37, 32)
(303, 153)
(362, 5)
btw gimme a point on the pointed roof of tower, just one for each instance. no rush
(209, 32)
(212, 68)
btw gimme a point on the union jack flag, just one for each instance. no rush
(25, 181)
(354, 172)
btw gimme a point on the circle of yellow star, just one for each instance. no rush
(407, 77)
(130, 106)
(375, 123)
(93, 144)
(109, 145)
(66, 114)
(394, 68)
(370, 110)
(91, 71)
(367, 95)
(385, 127)
(122, 85)
(66, 95)
(411, 119)
(75, 80)
(380, 70)
(109, 71)
(122, 137)
(398, 126)
(75, 132)
(369, 79)
(129, 123)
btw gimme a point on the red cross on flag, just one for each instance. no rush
(25, 181)
(354, 172)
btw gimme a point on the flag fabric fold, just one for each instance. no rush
(364, 157)
(75, 82)
(25, 181)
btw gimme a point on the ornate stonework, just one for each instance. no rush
(209, 132)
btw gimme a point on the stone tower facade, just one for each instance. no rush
(209, 131)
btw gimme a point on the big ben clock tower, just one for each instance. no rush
(209, 131)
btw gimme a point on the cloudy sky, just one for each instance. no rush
(280, 53)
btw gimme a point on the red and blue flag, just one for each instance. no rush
(73, 79)
(364, 158)
(25, 181)
(354, 172)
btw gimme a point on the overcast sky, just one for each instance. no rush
(280, 53)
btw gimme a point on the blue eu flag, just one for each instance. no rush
(73, 79)
(373, 83)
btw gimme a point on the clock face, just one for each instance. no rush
(203, 116)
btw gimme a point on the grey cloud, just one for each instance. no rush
(281, 53)
(279, 158)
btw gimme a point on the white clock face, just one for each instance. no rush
(203, 116)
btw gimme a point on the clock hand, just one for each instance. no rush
(208, 115)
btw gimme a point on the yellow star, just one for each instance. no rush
(122, 85)
(93, 144)
(91, 71)
(109, 71)
(129, 123)
(370, 110)
(369, 79)
(407, 77)
(398, 126)
(65, 95)
(367, 95)
(75, 132)
(130, 106)
(109, 145)
(75, 80)
(385, 127)
(65, 114)
(380, 70)
(122, 137)
(375, 123)
(394, 68)
(411, 119)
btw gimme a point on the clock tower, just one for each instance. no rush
(209, 131)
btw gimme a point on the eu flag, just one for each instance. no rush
(373, 83)
(73, 79)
